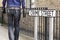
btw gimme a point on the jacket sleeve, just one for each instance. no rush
(23, 3)
(4, 3)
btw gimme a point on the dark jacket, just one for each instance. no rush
(13, 3)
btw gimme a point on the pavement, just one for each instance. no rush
(4, 34)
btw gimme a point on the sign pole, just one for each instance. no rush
(36, 28)
(51, 28)
(35, 22)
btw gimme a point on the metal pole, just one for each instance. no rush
(30, 4)
(51, 28)
(36, 28)
(36, 19)
(46, 29)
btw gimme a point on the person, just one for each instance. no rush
(14, 14)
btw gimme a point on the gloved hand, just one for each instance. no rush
(24, 13)
(3, 10)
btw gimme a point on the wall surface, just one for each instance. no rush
(52, 4)
(0, 3)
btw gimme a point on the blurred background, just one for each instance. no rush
(27, 23)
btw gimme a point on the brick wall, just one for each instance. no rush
(52, 4)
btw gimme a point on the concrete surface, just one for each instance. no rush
(4, 34)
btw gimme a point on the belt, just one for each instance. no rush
(13, 8)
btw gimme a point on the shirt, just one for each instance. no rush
(13, 3)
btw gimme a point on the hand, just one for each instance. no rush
(24, 13)
(3, 10)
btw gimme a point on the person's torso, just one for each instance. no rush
(13, 3)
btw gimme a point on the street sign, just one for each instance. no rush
(34, 12)
(46, 13)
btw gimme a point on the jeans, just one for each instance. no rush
(13, 23)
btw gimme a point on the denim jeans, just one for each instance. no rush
(13, 23)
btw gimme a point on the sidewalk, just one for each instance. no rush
(4, 35)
